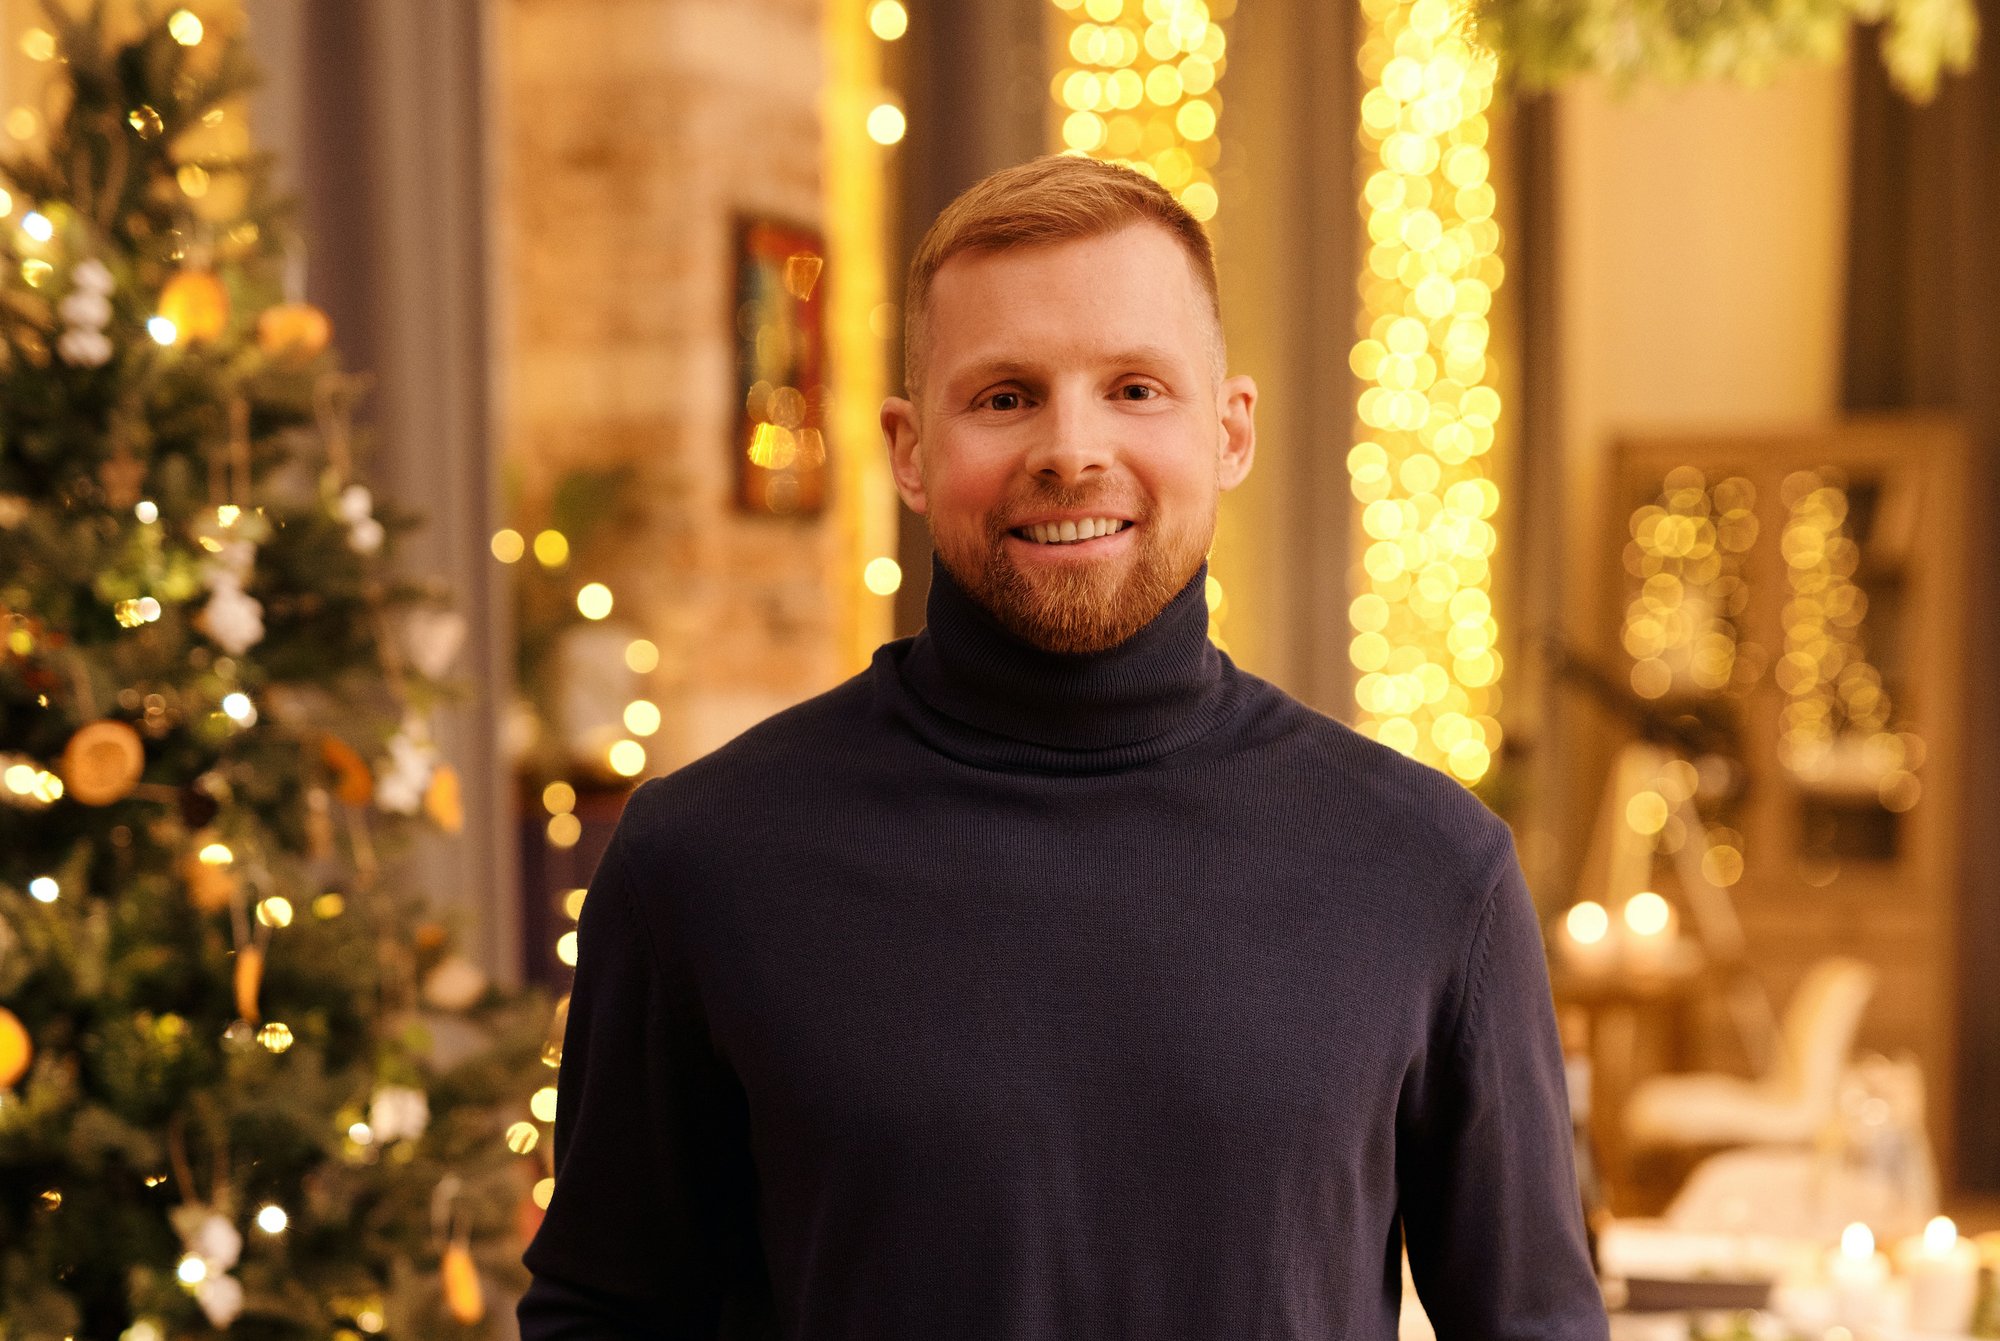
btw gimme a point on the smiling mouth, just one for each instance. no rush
(1070, 533)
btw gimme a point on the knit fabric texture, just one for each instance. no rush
(1002, 995)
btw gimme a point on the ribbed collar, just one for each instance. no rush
(986, 696)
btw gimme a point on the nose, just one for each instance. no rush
(1070, 448)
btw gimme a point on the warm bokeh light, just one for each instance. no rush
(1688, 553)
(885, 123)
(271, 1218)
(641, 656)
(551, 549)
(882, 576)
(1142, 90)
(1587, 922)
(164, 332)
(1425, 636)
(185, 27)
(1647, 914)
(543, 1104)
(563, 830)
(627, 758)
(1857, 1241)
(1940, 1235)
(566, 948)
(559, 798)
(642, 717)
(594, 600)
(888, 20)
(508, 545)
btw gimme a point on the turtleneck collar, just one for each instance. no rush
(994, 698)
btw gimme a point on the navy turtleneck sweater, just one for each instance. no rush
(1000, 995)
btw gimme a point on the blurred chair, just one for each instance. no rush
(1792, 1104)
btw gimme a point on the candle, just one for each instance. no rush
(1943, 1273)
(1860, 1279)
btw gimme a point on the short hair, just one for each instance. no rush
(1055, 198)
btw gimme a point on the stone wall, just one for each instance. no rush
(632, 135)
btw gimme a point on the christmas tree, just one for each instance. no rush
(244, 1084)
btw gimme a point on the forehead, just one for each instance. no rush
(1120, 290)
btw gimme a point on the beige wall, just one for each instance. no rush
(637, 130)
(1699, 265)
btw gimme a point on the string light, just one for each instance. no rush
(37, 226)
(888, 20)
(883, 576)
(1587, 922)
(886, 123)
(551, 549)
(1687, 552)
(185, 27)
(1834, 696)
(642, 717)
(1142, 91)
(1424, 632)
(163, 331)
(508, 546)
(594, 600)
(626, 757)
(44, 889)
(271, 1218)
(641, 656)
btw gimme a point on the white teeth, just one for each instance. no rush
(1064, 533)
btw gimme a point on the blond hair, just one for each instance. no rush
(1056, 198)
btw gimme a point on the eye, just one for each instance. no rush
(1004, 401)
(1137, 391)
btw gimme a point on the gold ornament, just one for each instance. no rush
(249, 979)
(16, 1051)
(102, 762)
(463, 1297)
(442, 801)
(296, 332)
(198, 305)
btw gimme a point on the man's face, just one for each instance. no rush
(1069, 384)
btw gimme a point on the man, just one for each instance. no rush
(1054, 978)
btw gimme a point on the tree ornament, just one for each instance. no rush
(85, 312)
(212, 885)
(398, 1113)
(442, 800)
(319, 823)
(455, 984)
(102, 762)
(249, 981)
(293, 332)
(198, 305)
(464, 1299)
(401, 779)
(357, 508)
(232, 617)
(352, 781)
(208, 1237)
(16, 1049)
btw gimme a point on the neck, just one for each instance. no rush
(1162, 687)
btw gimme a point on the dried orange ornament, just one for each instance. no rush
(463, 1296)
(442, 800)
(353, 783)
(293, 331)
(16, 1051)
(198, 305)
(249, 981)
(102, 762)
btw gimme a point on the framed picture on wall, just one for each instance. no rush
(780, 440)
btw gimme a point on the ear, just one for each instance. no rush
(1236, 407)
(899, 434)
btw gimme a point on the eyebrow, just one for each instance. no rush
(1005, 369)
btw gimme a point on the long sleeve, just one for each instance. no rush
(651, 1231)
(1486, 1161)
